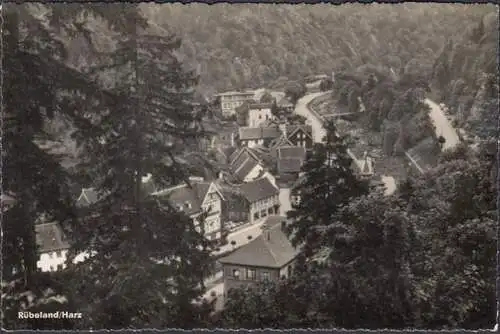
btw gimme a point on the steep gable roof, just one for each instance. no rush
(248, 133)
(291, 152)
(290, 165)
(246, 167)
(293, 129)
(272, 249)
(50, 237)
(258, 190)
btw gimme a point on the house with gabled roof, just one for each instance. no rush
(53, 246)
(269, 257)
(199, 197)
(258, 136)
(261, 197)
(246, 165)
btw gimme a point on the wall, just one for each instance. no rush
(230, 282)
(256, 117)
(253, 143)
(269, 206)
(254, 173)
(49, 261)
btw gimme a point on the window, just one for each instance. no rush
(51, 268)
(236, 273)
(58, 254)
(289, 271)
(270, 211)
(51, 255)
(59, 267)
(260, 116)
(263, 213)
(256, 215)
(264, 276)
(251, 274)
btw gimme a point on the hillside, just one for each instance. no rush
(235, 46)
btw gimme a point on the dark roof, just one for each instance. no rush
(271, 249)
(285, 101)
(50, 237)
(242, 171)
(260, 106)
(292, 129)
(291, 152)
(247, 133)
(280, 141)
(292, 165)
(258, 190)
(186, 199)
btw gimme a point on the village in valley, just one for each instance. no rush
(161, 178)
(249, 165)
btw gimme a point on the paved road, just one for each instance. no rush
(285, 204)
(302, 110)
(443, 125)
(319, 132)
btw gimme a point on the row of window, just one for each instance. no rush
(251, 274)
(265, 202)
(264, 213)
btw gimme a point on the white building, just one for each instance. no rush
(229, 101)
(259, 113)
(53, 247)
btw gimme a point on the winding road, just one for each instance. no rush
(319, 132)
(443, 125)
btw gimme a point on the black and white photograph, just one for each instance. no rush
(249, 166)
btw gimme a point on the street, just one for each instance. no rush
(443, 125)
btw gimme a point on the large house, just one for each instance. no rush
(201, 197)
(259, 113)
(53, 247)
(231, 100)
(261, 197)
(270, 256)
(259, 136)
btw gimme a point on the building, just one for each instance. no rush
(229, 101)
(270, 256)
(285, 104)
(290, 160)
(53, 247)
(201, 197)
(364, 167)
(260, 136)
(258, 114)
(262, 199)
(245, 164)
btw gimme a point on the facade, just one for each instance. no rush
(53, 247)
(364, 167)
(259, 113)
(231, 100)
(300, 135)
(259, 136)
(193, 201)
(262, 199)
(270, 256)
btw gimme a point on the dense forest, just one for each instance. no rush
(251, 45)
(116, 86)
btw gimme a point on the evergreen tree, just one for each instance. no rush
(329, 184)
(32, 176)
(147, 261)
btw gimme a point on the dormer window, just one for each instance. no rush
(187, 205)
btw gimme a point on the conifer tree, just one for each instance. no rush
(329, 184)
(147, 261)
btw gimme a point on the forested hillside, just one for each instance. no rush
(251, 45)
